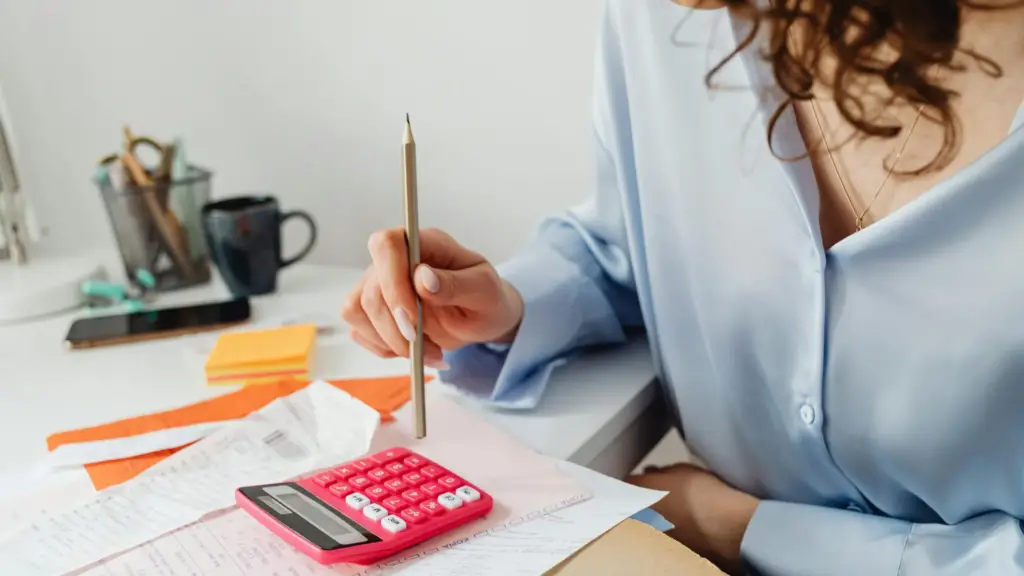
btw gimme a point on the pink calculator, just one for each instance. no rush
(367, 509)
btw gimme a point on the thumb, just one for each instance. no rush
(472, 287)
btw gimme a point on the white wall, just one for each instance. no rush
(305, 99)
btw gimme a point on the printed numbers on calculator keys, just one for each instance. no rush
(468, 494)
(395, 486)
(449, 501)
(375, 512)
(391, 455)
(414, 515)
(397, 490)
(432, 507)
(357, 501)
(376, 493)
(393, 524)
(432, 489)
(325, 479)
(368, 509)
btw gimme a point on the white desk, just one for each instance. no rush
(602, 411)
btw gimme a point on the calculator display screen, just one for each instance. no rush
(309, 516)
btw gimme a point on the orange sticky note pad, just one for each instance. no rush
(261, 356)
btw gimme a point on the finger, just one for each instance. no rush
(391, 264)
(381, 317)
(352, 307)
(439, 334)
(432, 354)
(372, 343)
(433, 357)
(440, 250)
(474, 288)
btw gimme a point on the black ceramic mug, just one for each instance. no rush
(243, 235)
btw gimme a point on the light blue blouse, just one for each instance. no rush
(872, 394)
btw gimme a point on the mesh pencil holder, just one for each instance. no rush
(158, 228)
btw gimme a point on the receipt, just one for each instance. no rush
(313, 428)
(235, 544)
(82, 453)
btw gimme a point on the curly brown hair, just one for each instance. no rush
(903, 43)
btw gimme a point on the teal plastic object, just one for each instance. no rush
(145, 278)
(107, 294)
(107, 290)
(134, 305)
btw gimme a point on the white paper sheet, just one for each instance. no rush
(28, 496)
(315, 427)
(540, 544)
(234, 544)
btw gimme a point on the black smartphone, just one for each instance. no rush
(153, 324)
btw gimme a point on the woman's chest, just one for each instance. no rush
(922, 369)
(884, 372)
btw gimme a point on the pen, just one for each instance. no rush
(412, 240)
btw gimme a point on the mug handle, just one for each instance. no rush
(312, 236)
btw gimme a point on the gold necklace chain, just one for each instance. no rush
(853, 208)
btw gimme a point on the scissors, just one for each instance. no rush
(134, 144)
(154, 189)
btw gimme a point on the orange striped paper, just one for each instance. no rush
(382, 394)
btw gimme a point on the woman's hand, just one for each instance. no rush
(464, 300)
(710, 517)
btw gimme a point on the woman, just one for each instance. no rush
(835, 310)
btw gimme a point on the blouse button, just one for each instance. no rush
(807, 414)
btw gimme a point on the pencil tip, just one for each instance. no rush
(407, 118)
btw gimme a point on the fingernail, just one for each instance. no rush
(437, 364)
(428, 278)
(405, 324)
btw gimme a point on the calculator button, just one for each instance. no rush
(325, 479)
(450, 482)
(359, 482)
(393, 524)
(414, 478)
(345, 471)
(357, 501)
(364, 464)
(413, 496)
(415, 461)
(340, 489)
(376, 493)
(414, 515)
(432, 489)
(449, 501)
(375, 512)
(395, 485)
(397, 468)
(432, 507)
(394, 503)
(468, 494)
(390, 455)
(378, 474)
(433, 471)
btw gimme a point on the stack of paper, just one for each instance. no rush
(261, 356)
(544, 510)
(309, 430)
